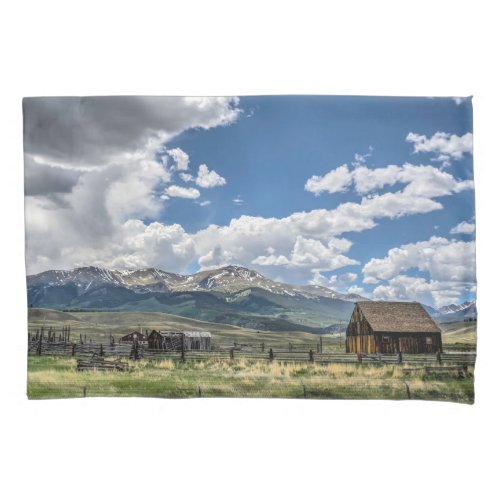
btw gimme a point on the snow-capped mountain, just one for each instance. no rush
(231, 294)
(227, 279)
(465, 307)
(453, 312)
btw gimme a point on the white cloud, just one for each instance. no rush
(180, 157)
(238, 200)
(420, 180)
(359, 290)
(91, 168)
(432, 292)
(182, 192)
(443, 259)
(347, 277)
(447, 146)
(204, 203)
(335, 181)
(360, 159)
(463, 228)
(186, 177)
(450, 265)
(208, 178)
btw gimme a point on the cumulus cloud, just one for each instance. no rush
(420, 180)
(347, 277)
(443, 259)
(182, 192)
(463, 228)
(186, 177)
(180, 159)
(431, 292)
(335, 181)
(449, 265)
(447, 146)
(208, 178)
(91, 167)
(93, 130)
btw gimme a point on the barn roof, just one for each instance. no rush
(395, 317)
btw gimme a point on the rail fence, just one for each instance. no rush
(35, 347)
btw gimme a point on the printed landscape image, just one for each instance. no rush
(291, 247)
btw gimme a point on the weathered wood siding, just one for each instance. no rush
(361, 343)
(360, 337)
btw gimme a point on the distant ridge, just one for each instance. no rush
(230, 294)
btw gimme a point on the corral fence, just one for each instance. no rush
(298, 354)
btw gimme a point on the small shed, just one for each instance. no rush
(197, 341)
(176, 341)
(139, 337)
(392, 327)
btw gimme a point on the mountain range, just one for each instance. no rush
(231, 294)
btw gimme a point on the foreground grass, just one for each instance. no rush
(57, 377)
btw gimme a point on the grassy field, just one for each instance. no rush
(54, 377)
(459, 335)
(57, 377)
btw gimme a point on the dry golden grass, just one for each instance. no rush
(58, 377)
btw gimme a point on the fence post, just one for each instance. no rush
(439, 360)
(321, 345)
(101, 352)
(304, 389)
(408, 393)
(183, 354)
(199, 391)
(311, 356)
(39, 347)
(400, 357)
(271, 355)
(263, 347)
(84, 391)
(231, 353)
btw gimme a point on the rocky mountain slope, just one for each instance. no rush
(232, 294)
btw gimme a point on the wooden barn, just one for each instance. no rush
(176, 341)
(392, 327)
(139, 337)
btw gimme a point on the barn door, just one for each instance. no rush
(408, 345)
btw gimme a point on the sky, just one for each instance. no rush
(363, 195)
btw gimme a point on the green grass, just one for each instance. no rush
(57, 377)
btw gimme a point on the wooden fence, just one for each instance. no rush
(36, 347)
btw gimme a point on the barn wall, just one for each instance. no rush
(417, 343)
(197, 343)
(360, 336)
(361, 343)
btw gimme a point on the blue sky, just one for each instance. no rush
(268, 160)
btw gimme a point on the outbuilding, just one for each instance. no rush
(138, 337)
(177, 341)
(392, 327)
